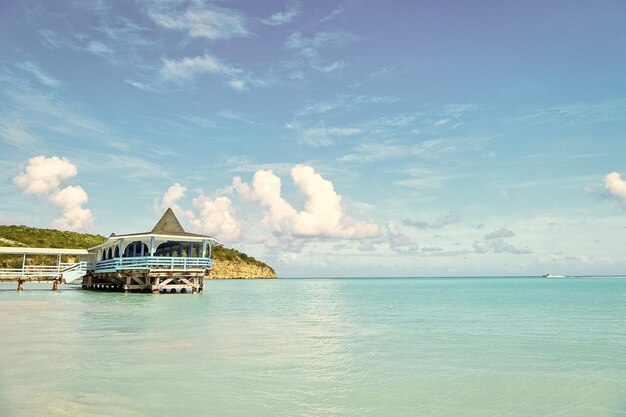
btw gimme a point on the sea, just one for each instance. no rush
(445, 347)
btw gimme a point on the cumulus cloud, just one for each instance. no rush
(323, 215)
(216, 217)
(75, 217)
(43, 176)
(174, 193)
(212, 216)
(278, 225)
(616, 186)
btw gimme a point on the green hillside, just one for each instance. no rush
(50, 238)
(46, 238)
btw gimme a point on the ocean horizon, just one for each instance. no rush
(514, 346)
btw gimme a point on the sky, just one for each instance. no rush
(343, 138)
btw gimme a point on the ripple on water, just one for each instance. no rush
(385, 347)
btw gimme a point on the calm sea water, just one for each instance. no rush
(351, 347)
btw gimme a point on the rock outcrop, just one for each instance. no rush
(237, 269)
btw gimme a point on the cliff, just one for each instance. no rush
(228, 263)
(223, 269)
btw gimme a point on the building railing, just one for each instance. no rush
(149, 262)
(77, 270)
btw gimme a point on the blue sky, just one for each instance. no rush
(327, 138)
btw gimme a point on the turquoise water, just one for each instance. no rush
(351, 347)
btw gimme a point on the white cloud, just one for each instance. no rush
(39, 74)
(188, 67)
(71, 200)
(76, 42)
(282, 225)
(42, 176)
(309, 47)
(321, 135)
(139, 85)
(173, 194)
(213, 216)
(98, 48)
(345, 102)
(217, 217)
(332, 15)
(330, 67)
(239, 85)
(616, 186)
(15, 130)
(323, 214)
(280, 18)
(198, 19)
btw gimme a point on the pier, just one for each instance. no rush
(165, 259)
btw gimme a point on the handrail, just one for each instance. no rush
(148, 262)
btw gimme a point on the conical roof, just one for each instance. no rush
(168, 225)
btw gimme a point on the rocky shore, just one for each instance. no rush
(237, 269)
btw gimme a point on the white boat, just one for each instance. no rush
(553, 276)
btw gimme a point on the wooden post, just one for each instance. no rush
(23, 265)
(152, 248)
(203, 254)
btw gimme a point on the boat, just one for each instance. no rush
(553, 276)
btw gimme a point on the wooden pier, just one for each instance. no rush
(153, 281)
(166, 259)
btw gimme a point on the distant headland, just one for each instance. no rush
(228, 263)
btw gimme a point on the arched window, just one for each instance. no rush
(133, 249)
(110, 254)
(117, 252)
(176, 249)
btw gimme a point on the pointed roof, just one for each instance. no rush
(168, 225)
